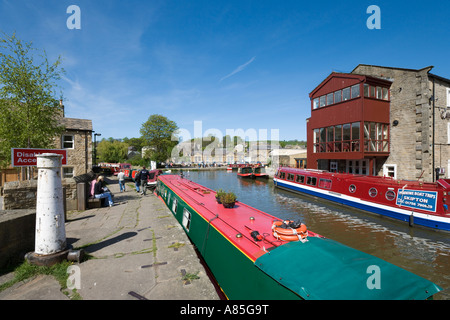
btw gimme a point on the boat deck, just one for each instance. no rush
(236, 224)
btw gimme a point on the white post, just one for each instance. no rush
(50, 227)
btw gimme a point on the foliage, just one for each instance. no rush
(157, 131)
(29, 110)
(112, 151)
(228, 197)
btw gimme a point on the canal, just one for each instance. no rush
(421, 251)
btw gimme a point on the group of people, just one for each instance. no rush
(100, 191)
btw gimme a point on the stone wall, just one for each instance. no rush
(22, 194)
(17, 234)
(411, 105)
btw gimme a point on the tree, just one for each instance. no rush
(29, 111)
(157, 132)
(112, 151)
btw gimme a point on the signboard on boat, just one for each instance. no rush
(417, 199)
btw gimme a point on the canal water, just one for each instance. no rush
(421, 251)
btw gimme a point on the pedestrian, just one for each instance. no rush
(144, 175)
(137, 180)
(121, 177)
(101, 192)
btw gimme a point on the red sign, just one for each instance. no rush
(22, 157)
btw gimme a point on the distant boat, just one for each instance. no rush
(416, 202)
(255, 256)
(260, 172)
(246, 172)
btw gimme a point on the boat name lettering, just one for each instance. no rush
(425, 200)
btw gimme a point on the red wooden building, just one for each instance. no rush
(348, 130)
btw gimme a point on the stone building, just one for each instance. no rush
(77, 140)
(419, 122)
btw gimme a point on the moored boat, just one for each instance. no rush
(260, 172)
(415, 202)
(245, 172)
(254, 255)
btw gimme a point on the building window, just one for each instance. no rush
(376, 137)
(68, 141)
(385, 94)
(355, 91)
(322, 102)
(366, 90)
(390, 170)
(315, 103)
(337, 96)
(67, 172)
(330, 99)
(345, 94)
(448, 97)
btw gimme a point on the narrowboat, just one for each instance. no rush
(245, 172)
(260, 172)
(415, 202)
(254, 255)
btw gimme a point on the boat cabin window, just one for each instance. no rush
(186, 219)
(282, 175)
(174, 206)
(312, 181)
(290, 177)
(325, 183)
(373, 192)
(390, 195)
(300, 179)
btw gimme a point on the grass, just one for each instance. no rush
(59, 271)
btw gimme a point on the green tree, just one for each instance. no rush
(157, 132)
(110, 150)
(29, 111)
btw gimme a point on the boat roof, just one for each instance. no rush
(310, 269)
(323, 269)
(363, 178)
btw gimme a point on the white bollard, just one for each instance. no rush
(50, 224)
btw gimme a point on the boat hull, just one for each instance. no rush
(412, 218)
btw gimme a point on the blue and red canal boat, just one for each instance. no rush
(415, 202)
(254, 255)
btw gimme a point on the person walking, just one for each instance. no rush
(121, 177)
(145, 175)
(137, 180)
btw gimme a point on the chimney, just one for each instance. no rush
(62, 108)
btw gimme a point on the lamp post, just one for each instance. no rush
(95, 146)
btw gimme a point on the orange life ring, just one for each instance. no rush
(282, 231)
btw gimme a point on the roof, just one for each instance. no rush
(76, 124)
(407, 69)
(360, 77)
(323, 269)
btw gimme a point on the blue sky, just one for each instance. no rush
(230, 64)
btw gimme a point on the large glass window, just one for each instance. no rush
(337, 96)
(366, 90)
(355, 91)
(315, 103)
(376, 137)
(329, 99)
(322, 102)
(345, 94)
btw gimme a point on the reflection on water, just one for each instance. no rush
(421, 251)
